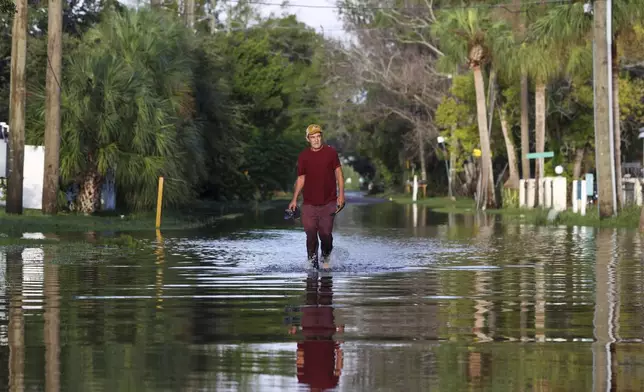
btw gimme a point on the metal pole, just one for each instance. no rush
(611, 130)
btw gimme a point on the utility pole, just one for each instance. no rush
(52, 108)
(17, 108)
(189, 13)
(605, 162)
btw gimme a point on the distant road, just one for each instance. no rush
(358, 197)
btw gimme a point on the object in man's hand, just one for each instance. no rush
(291, 214)
(338, 209)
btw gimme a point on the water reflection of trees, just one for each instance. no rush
(549, 288)
(444, 329)
(16, 330)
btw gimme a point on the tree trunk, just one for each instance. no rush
(579, 158)
(518, 25)
(421, 155)
(155, 3)
(189, 13)
(51, 332)
(540, 134)
(525, 127)
(470, 175)
(17, 109)
(452, 165)
(513, 164)
(491, 102)
(16, 324)
(617, 127)
(52, 107)
(602, 127)
(89, 196)
(540, 125)
(486, 196)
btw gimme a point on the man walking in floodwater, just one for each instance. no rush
(318, 172)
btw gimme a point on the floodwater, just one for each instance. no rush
(414, 301)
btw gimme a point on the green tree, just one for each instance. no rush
(7, 7)
(570, 23)
(457, 116)
(277, 82)
(127, 107)
(471, 36)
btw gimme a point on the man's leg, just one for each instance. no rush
(310, 223)
(326, 228)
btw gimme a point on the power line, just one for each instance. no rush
(408, 8)
(507, 6)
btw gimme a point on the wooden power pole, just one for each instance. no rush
(17, 109)
(52, 107)
(603, 135)
(189, 13)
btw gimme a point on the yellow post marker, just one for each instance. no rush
(159, 202)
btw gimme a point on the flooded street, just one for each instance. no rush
(415, 301)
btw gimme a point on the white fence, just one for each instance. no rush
(34, 171)
(553, 193)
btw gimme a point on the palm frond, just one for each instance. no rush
(562, 24)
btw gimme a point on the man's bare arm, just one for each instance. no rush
(339, 177)
(299, 184)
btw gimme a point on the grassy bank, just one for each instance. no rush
(442, 204)
(628, 218)
(196, 216)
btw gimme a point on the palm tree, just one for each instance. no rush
(127, 108)
(542, 63)
(470, 36)
(568, 23)
(519, 25)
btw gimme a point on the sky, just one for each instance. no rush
(322, 15)
(319, 14)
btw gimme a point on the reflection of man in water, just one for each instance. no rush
(319, 357)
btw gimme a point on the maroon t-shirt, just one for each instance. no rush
(319, 169)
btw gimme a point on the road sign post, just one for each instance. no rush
(537, 155)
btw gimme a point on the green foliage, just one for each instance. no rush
(222, 122)
(7, 7)
(221, 116)
(271, 164)
(456, 115)
(383, 175)
(381, 142)
(349, 173)
(631, 100)
(276, 84)
(510, 198)
(127, 106)
(460, 30)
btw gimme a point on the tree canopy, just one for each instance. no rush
(219, 110)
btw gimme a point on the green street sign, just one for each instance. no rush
(537, 155)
